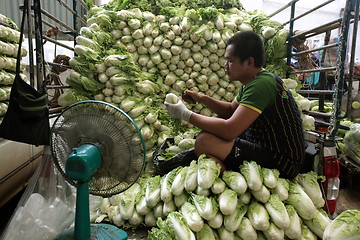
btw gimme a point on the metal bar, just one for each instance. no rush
(322, 122)
(53, 26)
(83, 4)
(30, 42)
(56, 20)
(57, 87)
(281, 9)
(318, 114)
(316, 49)
(291, 30)
(57, 109)
(40, 66)
(58, 65)
(327, 69)
(58, 43)
(71, 10)
(66, 6)
(322, 77)
(5, 24)
(48, 24)
(74, 18)
(341, 69)
(22, 166)
(323, 28)
(310, 11)
(351, 65)
(304, 91)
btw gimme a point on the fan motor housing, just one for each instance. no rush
(83, 162)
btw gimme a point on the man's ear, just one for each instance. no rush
(251, 61)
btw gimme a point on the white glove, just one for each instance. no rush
(178, 110)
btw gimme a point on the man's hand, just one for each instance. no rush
(178, 110)
(192, 97)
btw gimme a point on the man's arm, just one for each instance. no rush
(222, 109)
(226, 129)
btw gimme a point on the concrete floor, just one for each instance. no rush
(348, 199)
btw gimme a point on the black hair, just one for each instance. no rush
(248, 44)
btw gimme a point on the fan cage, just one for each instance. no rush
(117, 135)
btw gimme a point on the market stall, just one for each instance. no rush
(132, 55)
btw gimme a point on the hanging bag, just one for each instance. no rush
(27, 117)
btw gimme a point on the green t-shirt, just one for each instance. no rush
(259, 93)
(279, 125)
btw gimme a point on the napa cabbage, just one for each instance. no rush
(235, 181)
(252, 173)
(301, 201)
(344, 226)
(208, 171)
(206, 206)
(277, 211)
(310, 183)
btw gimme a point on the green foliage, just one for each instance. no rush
(166, 7)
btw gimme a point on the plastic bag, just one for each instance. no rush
(352, 143)
(183, 158)
(46, 208)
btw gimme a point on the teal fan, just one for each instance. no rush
(99, 149)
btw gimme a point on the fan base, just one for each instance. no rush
(98, 232)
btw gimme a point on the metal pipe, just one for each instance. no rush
(282, 9)
(56, 20)
(57, 109)
(66, 6)
(5, 24)
(323, 28)
(319, 114)
(31, 47)
(315, 70)
(71, 10)
(291, 30)
(46, 23)
(322, 78)
(57, 87)
(316, 49)
(322, 122)
(74, 18)
(53, 26)
(83, 4)
(40, 66)
(310, 11)
(22, 166)
(58, 43)
(351, 65)
(304, 91)
(58, 65)
(341, 69)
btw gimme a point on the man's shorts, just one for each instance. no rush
(244, 150)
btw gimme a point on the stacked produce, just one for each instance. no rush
(179, 143)
(351, 142)
(303, 103)
(9, 39)
(131, 54)
(132, 58)
(197, 202)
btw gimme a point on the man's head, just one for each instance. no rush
(244, 54)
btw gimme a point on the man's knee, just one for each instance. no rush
(201, 143)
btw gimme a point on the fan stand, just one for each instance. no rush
(81, 164)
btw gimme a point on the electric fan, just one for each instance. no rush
(99, 149)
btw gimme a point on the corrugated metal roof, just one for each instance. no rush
(56, 8)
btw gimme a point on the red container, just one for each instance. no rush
(332, 182)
